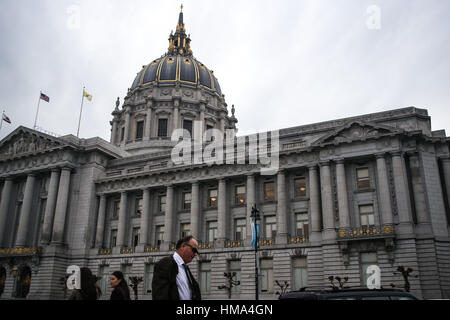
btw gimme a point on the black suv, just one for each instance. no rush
(348, 294)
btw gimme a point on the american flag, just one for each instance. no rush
(5, 118)
(44, 97)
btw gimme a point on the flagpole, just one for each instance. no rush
(1, 123)
(39, 101)
(81, 109)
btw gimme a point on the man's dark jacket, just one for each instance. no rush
(164, 284)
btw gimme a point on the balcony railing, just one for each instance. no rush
(151, 249)
(366, 232)
(234, 244)
(205, 245)
(104, 252)
(298, 239)
(126, 250)
(20, 251)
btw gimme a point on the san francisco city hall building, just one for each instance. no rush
(349, 193)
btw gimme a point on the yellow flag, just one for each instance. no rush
(87, 95)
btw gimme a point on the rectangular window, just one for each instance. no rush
(235, 266)
(162, 203)
(362, 178)
(269, 191)
(135, 237)
(367, 259)
(205, 277)
(266, 276)
(270, 224)
(240, 195)
(300, 187)
(116, 209)
(301, 224)
(187, 198)
(300, 273)
(185, 229)
(212, 231)
(212, 198)
(138, 211)
(149, 269)
(240, 226)
(139, 129)
(122, 134)
(162, 127)
(159, 234)
(187, 125)
(113, 238)
(366, 215)
(209, 136)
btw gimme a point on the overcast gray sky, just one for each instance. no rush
(281, 63)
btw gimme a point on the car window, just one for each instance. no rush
(375, 298)
(341, 298)
(401, 298)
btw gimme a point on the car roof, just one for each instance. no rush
(323, 294)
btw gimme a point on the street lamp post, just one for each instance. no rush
(256, 218)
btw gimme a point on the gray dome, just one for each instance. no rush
(172, 68)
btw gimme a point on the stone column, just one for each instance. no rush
(169, 220)
(314, 204)
(148, 120)
(329, 232)
(281, 209)
(4, 206)
(122, 229)
(222, 125)
(49, 214)
(114, 131)
(423, 219)
(127, 125)
(195, 210)
(101, 222)
(202, 117)
(145, 219)
(251, 201)
(221, 213)
(25, 214)
(402, 194)
(61, 206)
(344, 219)
(383, 190)
(446, 169)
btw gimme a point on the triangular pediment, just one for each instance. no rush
(24, 141)
(356, 131)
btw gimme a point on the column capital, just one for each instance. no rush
(312, 166)
(380, 155)
(445, 158)
(397, 153)
(196, 182)
(413, 153)
(340, 161)
(56, 169)
(324, 163)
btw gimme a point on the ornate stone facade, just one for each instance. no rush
(370, 189)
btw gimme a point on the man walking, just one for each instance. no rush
(172, 279)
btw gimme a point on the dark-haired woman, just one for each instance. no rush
(88, 290)
(121, 291)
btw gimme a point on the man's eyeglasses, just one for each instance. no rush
(194, 250)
